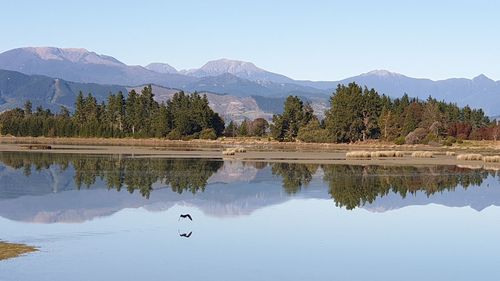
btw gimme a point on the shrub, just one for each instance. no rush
(208, 134)
(422, 154)
(400, 140)
(229, 151)
(430, 139)
(174, 135)
(470, 157)
(312, 132)
(387, 154)
(449, 141)
(416, 136)
(358, 154)
(491, 159)
(190, 137)
(240, 149)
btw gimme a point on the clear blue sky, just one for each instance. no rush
(317, 40)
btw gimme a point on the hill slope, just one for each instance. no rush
(16, 88)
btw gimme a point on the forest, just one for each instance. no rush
(359, 114)
(138, 115)
(355, 114)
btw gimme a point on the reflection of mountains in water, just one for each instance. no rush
(49, 188)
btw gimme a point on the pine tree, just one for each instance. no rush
(295, 115)
(243, 129)
(370, 112)
(28, 108)
(344, 118)
(160, 122)
(133, 112)
(231, 130)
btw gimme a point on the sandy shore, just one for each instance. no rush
(256, 143)
(10, 250)
(268, 153)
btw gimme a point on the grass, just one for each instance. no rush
(470, 157)
(358, 154)
(390, 153)
(422, 154)
(10, 250)
(373, 154)
(233, 151)
(491, 159)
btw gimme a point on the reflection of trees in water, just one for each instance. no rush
(349, 186)
(294, 175)
(117, 172)
(354, 186)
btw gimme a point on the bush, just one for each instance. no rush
(449, 141)
(318, 135)
(422, 154)
(400, 140)
(190, 137)
(312, 132)
(470, 157)
(416, 136)
(174, 135)
(208, 134)
(430, 139)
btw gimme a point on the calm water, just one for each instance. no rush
(117, 218)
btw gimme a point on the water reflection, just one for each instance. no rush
(116, 171)
(354, 186)
(235, 187)
(186, 235)
(294, 175)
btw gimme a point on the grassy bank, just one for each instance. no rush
(256, 143)
(10, 250)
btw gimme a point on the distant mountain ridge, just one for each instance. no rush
(52, 93)
(161, 67)
(80, 65)
(240, 79)
(241, 69)
(481, 91)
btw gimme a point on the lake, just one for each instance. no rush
(116, 217)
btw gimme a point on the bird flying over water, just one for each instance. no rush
(186, 216)
(187, 235)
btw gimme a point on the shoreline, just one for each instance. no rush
(256, 152)
(256, 143)
(14, 250)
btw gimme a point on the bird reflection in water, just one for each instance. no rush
(186, 235)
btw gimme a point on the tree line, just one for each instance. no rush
(137, 115)
(361, 114)
(355, 114)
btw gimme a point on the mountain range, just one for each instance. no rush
(53, 76)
